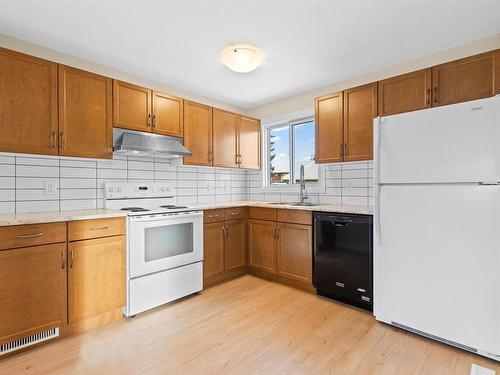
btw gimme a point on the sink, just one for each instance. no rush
(302, 204)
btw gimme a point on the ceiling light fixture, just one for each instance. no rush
(241, 58)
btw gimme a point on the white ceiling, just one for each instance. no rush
(307, 44)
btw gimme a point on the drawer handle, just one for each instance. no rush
(71, 259)
(99, 228)
(212, 216)
(33, 235)
(235, 213)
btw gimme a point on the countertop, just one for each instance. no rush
(346, 209)
(57, 216)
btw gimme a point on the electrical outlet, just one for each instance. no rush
(50, 189)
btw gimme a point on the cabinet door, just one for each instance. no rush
(28, 104)
(85, 114)
(198, 133)
(168, 116)
(295, 251)
(497, 71)
(225, 127)
(405, 93)
(213, 252)
(329, 128)
(249, 142)
(262, 245)
(360, 107)
(32, 290)
(96, 277)
(235, 246)
(131, 106)
(462, 80)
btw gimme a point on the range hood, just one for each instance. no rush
(133, 143)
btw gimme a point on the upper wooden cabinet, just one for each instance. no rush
(32, 290)
(168, 116)
(28, 104)
(198, 133)
(249, 143)
(360, 107)
(405, 93)
(225, 138)
(131, 106)
(139, 108)
(329, 128)
(462, 80)
(85, 114)
(497, 71)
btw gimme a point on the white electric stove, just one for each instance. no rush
(164, 244)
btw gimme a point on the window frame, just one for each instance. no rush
(313, 187)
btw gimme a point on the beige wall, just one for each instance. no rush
(305, 102)
(53, 55)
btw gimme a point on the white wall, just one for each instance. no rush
(305, 101)
(62, 58)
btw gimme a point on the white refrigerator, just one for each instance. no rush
(437, 224)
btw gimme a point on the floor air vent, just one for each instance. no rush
(435, 338)
(28, 341)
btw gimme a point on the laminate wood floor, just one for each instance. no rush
(247, 326)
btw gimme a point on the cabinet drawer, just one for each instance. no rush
(262, 213)
(86, 229)
(295, 216)
(213, 216)
(31, 235)
(235, 213)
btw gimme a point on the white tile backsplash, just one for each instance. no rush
(79, 183)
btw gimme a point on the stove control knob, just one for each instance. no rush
(119, 189)
(162, 188)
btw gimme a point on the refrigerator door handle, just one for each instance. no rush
(377, 122)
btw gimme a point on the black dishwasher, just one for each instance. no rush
(343, 248)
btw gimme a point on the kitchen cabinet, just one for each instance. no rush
(405, 93)
(249, 143)
(96, 277)
(360, 107)
(131, 106)
(85, 114)
(225, 138)
(497, 71)
(140, 108)
(280, 245)
(235, 244)
(32, 290)
(462, 80)
(198, 133)
(329, 128)
(225, 244)
(28, 104)
(295, 251)
(262, 245)
(213, 252)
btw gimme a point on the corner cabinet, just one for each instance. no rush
(329, 128)
(497, 71)
(249, 143)
(28, 103)
(85, 114)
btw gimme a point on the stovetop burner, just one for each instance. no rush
(134, 209)
(172, 206)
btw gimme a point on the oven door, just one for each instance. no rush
(162, 242)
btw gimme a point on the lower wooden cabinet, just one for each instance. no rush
(213, 252)
(282, 250)
(96, 277)
(262, 245)
(225, 245)
(32, 290)
(295, 252)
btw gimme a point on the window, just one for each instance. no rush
(289, 147)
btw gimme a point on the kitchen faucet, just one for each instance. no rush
(303, 191)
